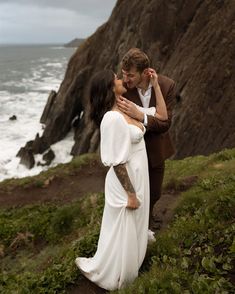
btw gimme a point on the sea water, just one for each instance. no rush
(27, 75)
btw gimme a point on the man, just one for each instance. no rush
(136, 76)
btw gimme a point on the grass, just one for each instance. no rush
(61, 170)
(195, 254)
(45, 262)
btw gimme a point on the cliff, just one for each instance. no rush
(192, 42)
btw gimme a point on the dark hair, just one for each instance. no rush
(102, 97)
(135, 58)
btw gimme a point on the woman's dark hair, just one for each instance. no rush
(102, 97)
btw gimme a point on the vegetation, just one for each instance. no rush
(39, 244)
(195, 254)
(61, 170)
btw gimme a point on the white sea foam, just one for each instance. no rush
(11, 168)
(15, 133)
(55, 64)
(57, 48)
(23, 92)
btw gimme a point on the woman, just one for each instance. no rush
(124, 230)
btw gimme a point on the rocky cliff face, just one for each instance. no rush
(190, 41)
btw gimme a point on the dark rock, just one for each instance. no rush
(49, 156)
(189, 41)
(27, 157)
(45, 118)
(28, 146)
(39, 145)
(83, 138)
(75, 122)
(66, 108)
(94, 142)
(13, 117)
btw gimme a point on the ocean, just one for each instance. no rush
(27, 75)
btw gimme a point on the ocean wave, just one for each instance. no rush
(25, 85)
(54, 64)
(57, 48)
(10, 167)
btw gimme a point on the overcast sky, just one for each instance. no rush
(51, 21)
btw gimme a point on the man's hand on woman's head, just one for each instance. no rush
(153, 77)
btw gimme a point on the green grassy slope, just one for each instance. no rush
(195, 254)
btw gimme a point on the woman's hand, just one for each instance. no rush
(133, 202)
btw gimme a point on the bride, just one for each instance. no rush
(124, 229)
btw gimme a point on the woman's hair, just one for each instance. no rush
(102, 97)
(135, 58)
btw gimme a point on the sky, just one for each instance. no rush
(51, 21)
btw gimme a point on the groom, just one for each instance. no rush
(135, 71)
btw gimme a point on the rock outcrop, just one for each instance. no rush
(13, 117)
(190, 41)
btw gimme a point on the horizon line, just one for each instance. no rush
(39, 43)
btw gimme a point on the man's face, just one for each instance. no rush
(132, 77)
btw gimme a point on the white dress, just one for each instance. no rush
(124, 233)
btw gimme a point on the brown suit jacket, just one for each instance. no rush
(158, 143)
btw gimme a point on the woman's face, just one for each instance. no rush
(118, 89)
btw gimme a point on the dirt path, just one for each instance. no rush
(84, 286)
(88, 179)
(164, 209)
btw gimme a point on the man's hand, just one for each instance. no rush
(129, 108)
(153, 77)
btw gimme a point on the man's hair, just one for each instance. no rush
(135, 58)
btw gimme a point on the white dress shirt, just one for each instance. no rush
(145, 99)
(147, 110)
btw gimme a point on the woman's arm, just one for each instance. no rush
(122, 175)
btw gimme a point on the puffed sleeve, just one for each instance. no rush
(115, 139)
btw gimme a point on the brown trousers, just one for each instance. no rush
(156, 175)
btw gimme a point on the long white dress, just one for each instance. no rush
(124, 233)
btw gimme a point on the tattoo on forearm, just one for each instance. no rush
(123, 177)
